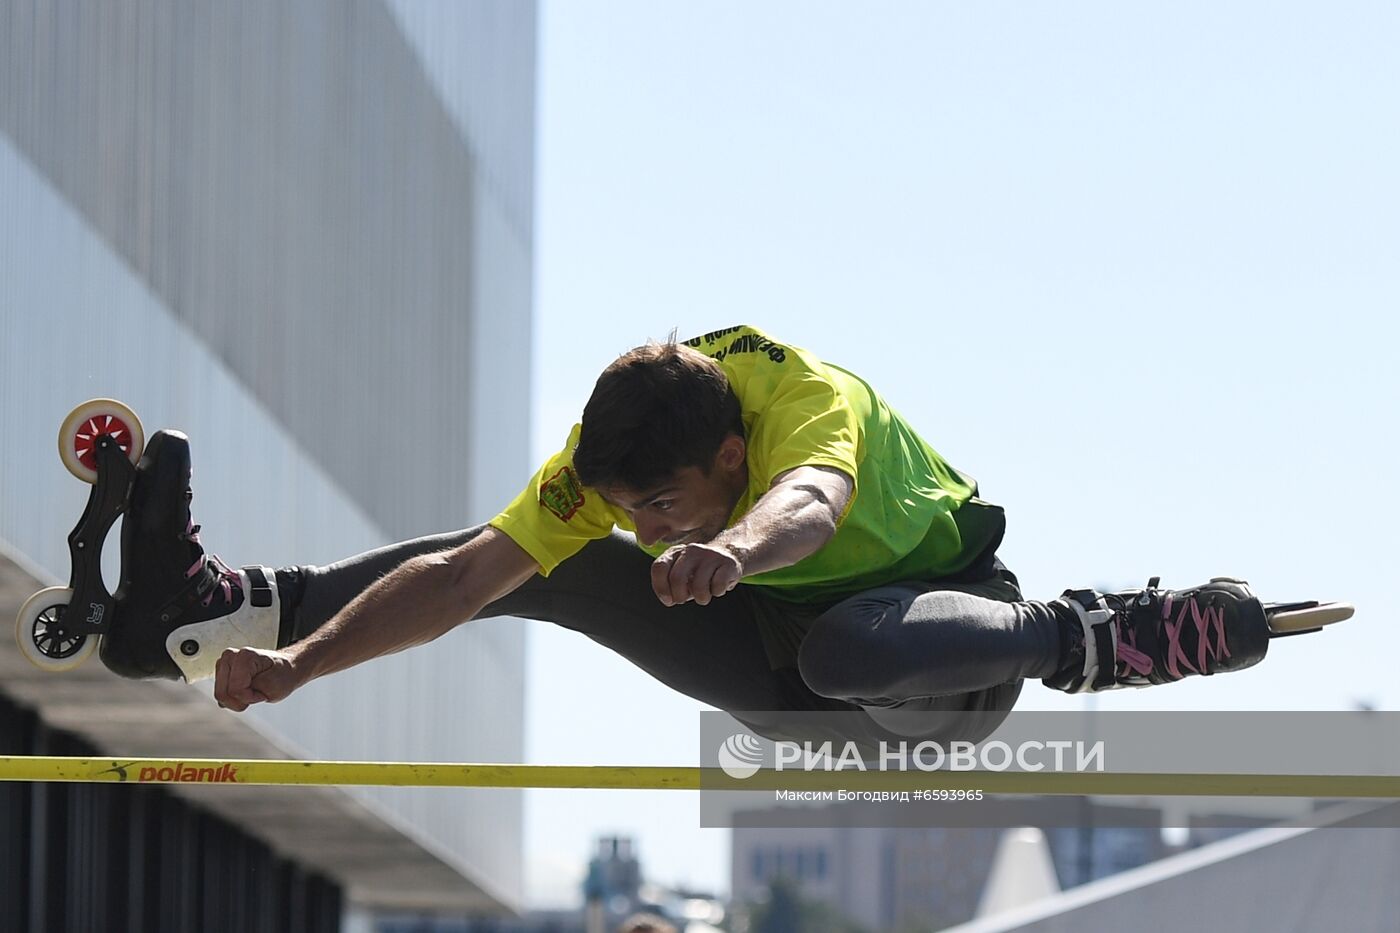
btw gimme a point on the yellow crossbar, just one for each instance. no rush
(429, 774)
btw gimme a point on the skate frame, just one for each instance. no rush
(91, 609)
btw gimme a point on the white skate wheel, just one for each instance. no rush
(77, 438)
(1313, 617)
(37, 640)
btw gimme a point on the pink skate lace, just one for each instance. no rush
(1207, 621)
(228, 578)
(1139, 662)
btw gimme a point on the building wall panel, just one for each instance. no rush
(302, 233)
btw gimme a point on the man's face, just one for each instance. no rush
(690, 507)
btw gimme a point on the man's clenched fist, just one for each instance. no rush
(244, 676)
(695, 571)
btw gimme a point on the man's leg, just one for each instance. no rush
(908, 650)
(895, 644)
(711, 653)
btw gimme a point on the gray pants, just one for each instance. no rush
(920, 660)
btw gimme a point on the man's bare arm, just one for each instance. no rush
(423, 598)
(794, 518)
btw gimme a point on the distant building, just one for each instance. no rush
(1330, 877)
(892, 878)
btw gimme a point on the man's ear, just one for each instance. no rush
(732, 451)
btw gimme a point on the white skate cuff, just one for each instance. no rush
(195, 648)
(1095, 630)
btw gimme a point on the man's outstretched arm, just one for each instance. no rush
(423, 598)
(794, 518)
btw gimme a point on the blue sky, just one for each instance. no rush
(1134, 267)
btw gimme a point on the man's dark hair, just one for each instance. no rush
(655, 410)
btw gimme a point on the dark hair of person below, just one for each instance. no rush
(655, 410)
(646, 923)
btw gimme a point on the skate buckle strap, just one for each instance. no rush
(260, 592)
(1100, 640)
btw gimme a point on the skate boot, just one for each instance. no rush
(1152, 636)
(178, 608)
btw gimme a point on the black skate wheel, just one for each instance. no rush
(40, 640)
(77, 437)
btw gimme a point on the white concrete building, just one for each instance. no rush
(303, 234)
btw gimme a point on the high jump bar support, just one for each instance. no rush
(595, 777)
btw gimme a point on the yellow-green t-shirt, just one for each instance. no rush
(902, 522)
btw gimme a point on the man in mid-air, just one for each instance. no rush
(752, 526)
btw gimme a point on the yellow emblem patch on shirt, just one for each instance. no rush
(562, 494)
